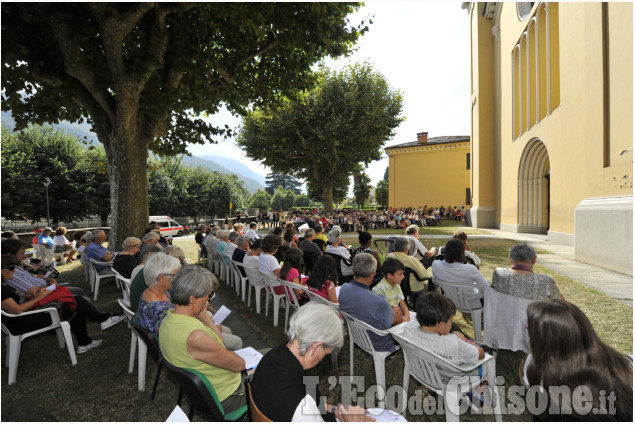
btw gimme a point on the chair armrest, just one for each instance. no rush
(52, 311)
(101, 263)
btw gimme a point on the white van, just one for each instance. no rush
(168, 226)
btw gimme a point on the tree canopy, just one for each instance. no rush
(79, 182)
(381, 193)
(277, 179)
(142, 74)
(322, 135)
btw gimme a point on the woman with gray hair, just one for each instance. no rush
(187, 342)
(278, 386)
(337, 248)
(127, 259)
(519, 280)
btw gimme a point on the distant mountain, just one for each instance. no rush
(250, 184)
(81, 131)
(237, 167)
(252, 181)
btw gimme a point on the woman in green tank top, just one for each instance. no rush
(187, 342)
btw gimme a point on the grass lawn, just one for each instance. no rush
(99, 388)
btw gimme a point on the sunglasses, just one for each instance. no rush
(10, 268)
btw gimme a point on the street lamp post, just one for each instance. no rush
(46, 184)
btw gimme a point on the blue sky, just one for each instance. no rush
(423, 49)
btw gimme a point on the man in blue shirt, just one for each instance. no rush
(359, 301)
(96, 252)
(45, 238)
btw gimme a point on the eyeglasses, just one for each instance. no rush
(10, 268)
(169, 274)
(211, 296)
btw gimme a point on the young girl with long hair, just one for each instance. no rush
(290, 271)
(322, 277)
(566, 351)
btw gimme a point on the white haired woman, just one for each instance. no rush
(315, 330)
(337, 247)
(519, 280)
(187, 342)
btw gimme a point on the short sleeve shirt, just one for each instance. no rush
(96, 252)
(268, 263)
(358, 300)
(41, 240)
(392, 294)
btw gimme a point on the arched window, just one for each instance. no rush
(524, 9)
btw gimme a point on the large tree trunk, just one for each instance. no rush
(127, 169)
(327, 197)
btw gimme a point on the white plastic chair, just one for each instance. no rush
(292, 298)
(270, 282)
(460, 293)
(125, 305)
(437, 374)
(14, 342)
(255, 281)
(315, 297)
(124, 284)
(96, 277)
(358, 333)
(87, 273)
(36, 248)
(46, 254)
(238, 277)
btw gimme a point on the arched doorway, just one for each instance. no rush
(533, 189)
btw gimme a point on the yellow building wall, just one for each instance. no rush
(574, 131)
(432, 175)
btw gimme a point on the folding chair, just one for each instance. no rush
(14, 341)
(437, 374)
(459, 294)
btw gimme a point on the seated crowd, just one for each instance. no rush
(172, 300)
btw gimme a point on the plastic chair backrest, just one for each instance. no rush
(289, 291)
(358, 330)
(199, 390)
(459, 293)
(148, 337)
(315, 297)
(429, 368)
(125, 285)
(254, 276)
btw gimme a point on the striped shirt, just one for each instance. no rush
(23, 280)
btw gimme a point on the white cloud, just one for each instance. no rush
(423, 49)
